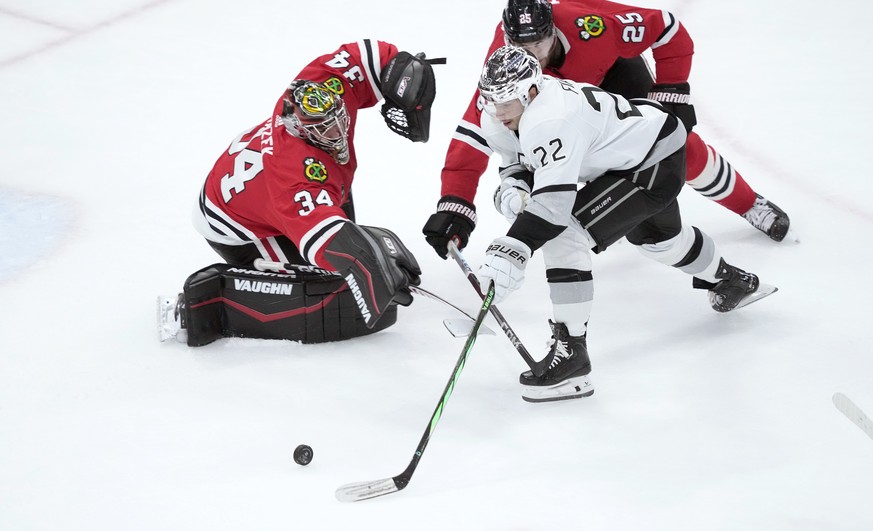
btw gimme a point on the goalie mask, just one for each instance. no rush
(507, 78)
(318, 115)
(409, 87)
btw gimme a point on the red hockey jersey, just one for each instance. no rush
(594, 34)
(269, 183)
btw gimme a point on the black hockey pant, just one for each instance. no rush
(641, 205)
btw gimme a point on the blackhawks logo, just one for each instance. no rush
(335, 85)
(590, 26)
(314, 169)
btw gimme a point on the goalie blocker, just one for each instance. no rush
(305, 304)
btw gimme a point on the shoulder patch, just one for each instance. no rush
(335, 85)
(590, 26)
(314, 169)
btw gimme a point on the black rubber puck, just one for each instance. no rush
(303, 455)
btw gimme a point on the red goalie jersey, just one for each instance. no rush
(269, 183)
(593, 35)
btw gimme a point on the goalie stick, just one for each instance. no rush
(370, 489)
(456, 327)
(853, 413)
(536, 367)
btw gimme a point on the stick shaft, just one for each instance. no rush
(537, 368)
(371, 489)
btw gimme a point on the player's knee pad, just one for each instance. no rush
(226, 301)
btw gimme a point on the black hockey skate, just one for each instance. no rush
(735, 289)
(768, 218)
(567, 375)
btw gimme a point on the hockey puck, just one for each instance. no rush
(303, 455)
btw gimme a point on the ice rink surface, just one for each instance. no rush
(113, 112)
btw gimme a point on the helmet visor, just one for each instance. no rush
(503, 110)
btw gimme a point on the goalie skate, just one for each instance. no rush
(170, 319)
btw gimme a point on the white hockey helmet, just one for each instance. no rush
(318, 115)
(509, 73)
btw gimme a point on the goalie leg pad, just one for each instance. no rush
(226, 301)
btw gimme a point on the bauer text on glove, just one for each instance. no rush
(505, 260)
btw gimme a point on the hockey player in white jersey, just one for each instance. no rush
(554, 135)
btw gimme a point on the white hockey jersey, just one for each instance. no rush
(574, 132)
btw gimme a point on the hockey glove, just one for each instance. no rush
(454, 219)
(676, 98)
(505, 261)
(369, 267)
(397, 252)
(510, 197)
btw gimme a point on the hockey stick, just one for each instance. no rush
(380, 487)
(536, 367)
(455, 327)
(853, 413)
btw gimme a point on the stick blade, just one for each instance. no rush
(853, 413)
(462, 327)
(365, 490)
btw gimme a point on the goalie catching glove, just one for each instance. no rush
(505, 261)
(409, 86)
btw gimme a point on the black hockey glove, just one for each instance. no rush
(397, 252)
(454, 219)
(377, 268)
(676, 98)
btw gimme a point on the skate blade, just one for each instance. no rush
(764, 290)
(580, 387)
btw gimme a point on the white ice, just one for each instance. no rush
(111, 114)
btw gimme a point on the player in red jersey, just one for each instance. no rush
(281, 191)
(601, 43)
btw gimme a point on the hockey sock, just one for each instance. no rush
(713, 177)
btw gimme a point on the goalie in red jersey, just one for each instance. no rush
(281, 194)
(601, 43)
